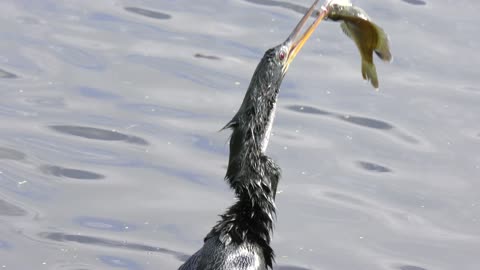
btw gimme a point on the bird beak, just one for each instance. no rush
(296, 46)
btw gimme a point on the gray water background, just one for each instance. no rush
(111, 155)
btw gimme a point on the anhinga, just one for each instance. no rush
(241, 239)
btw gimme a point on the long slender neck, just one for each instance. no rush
(252, 175)
(254, 178)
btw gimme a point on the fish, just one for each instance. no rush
(368, 36)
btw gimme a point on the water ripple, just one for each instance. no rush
(8, 209)
(399, 220)
(46, 102)
(15, 111)
(366, 122)
(28, 20)
(78, 58)
(469, 88)
(410, 267)
(104, 224)
(7, 153)
(96, 93)
(84, 153)
(415, 2)
(204, 56)
(4, 245)
(211, 79)
(149, 13)
(7, 75)
(114, 261)
(308, 110)
(287, 5)
(24, 183)
(206, 144)
(70, 173)
(158, 110)
(345, 198)
(115, 24)
(183, 174)
(104, 242)
(356, 120)
(369, 166)
(97, 134)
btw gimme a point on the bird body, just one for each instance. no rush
(216, 255)
(368, 37)
(241, 239)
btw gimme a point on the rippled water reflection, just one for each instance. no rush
(111, 155)
(7, 75)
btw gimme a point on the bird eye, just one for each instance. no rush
(281, 55)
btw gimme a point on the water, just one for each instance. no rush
(111, 155)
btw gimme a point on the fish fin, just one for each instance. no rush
(369, 73)
(346, 30)
(383, 48)
(354, 32)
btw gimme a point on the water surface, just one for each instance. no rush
(111, 155)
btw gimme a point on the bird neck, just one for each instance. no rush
(250, 219)
(254, 178)
(252, 175)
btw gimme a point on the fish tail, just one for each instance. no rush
(369, 73)
(383, 47)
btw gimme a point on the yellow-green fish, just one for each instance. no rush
(368, 36)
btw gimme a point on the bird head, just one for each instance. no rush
(277, 60)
